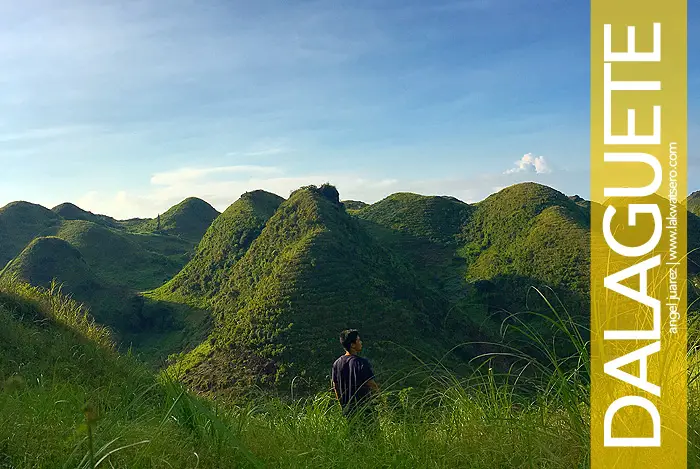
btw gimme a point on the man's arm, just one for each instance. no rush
(373, 385)
(370, 382)
(335, 390)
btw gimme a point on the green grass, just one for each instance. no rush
(312, 271)
(62, 361)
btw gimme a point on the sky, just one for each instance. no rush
(128, 107)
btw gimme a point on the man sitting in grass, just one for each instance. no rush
(353, 380)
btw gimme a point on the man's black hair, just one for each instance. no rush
(348, 337)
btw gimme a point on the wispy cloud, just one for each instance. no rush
(45, 133)
(189, 175)
(263, 148)
(530, 164)
(221, 186)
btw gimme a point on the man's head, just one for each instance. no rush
(350, 339)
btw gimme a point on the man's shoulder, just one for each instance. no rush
(339, 361)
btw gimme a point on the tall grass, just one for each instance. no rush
(536, 415)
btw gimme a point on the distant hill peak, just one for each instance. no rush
(354, 204)
(22, 206)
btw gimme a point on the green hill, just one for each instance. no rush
(354, 204)
(124, 258)
(20, 222)
(188, 220)
(693, 203)
(532, 231)
(49, 258)
(70, 211)
(313, 271)
(434, 218)
(224, 243)
(152, 326)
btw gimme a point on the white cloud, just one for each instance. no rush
(185, 175)
(530, 164)
(263, 148)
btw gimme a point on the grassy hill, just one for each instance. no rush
(434, 218)
(69, 211)
(155, 328)
(127, 259)
(693, 203)
(532, 231)
(223, 244)
(313, 271)
(354, 204)
(60, 375)
(188, 220)
(49, 259)
(20, 222)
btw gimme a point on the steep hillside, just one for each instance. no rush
(693, 203)
(313, 271)
(224, 243)
(188, 220)
(70, 211)
(20, 222)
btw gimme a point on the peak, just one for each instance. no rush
(354, 204)
(191, 203)
(259, 193)
(66, 205)
(326, 190)
(21, 205)
(54, 244)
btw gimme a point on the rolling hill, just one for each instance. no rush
(50, 258)
(20, 223)
(223, 244)
(693, 203)
(188, 220)
(313, 271)
(121, 257)
(69, 211)
(279, 278)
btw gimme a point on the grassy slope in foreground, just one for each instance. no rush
(224, 243)
(312, 272)
(54, 359)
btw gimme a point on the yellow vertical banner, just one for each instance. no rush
(638, 234)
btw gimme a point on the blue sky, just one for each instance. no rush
(128, 107)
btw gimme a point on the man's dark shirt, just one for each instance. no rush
(350, 376)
